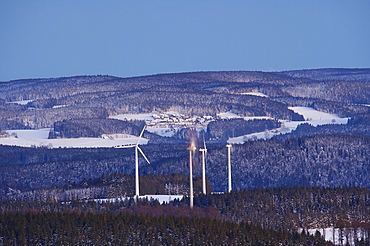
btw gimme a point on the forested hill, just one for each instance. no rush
(78, 228)
(320, 160)
(340, 91)
(262, 216)
(348, 74)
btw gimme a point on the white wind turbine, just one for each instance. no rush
(191, 149)
(204, 152)
(137, 149)
(229, 165)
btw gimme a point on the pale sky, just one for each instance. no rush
(54, 38)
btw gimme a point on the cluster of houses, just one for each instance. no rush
(172, 122)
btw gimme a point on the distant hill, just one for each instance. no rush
(340, 91)
(79, 106)
(348, 74)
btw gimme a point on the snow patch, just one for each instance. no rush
(145, 117)
(60, 106)
(310, 114)
(228, 115)
(259, 94)
(22, 102)
(39, 138)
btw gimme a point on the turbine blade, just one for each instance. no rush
(142, 153)
(141, 134)
(204, 142)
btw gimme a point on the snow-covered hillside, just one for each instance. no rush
(39, 138)
(311, 116)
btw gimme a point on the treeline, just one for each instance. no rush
(45, 118)
(348, 92)
(282, 209)
(54, 228)
(225, 129)
(330, 129)
(34, 89)
(191, 101)
(319, 160)
(347, 74)
(47, 88)
(111, 186)
(295, 207)
(76, 128)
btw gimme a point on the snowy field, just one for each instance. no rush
(311, 116)
(39, 138)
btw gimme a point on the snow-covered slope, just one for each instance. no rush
(311, 116)
(39, 138)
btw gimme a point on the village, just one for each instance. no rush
(166, 124)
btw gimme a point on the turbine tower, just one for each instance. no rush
(191, 148)
(204, 152)
(229, 165)
(137, 149)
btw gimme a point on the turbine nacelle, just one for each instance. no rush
(192, 148)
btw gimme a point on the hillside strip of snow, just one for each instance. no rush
(23, 102)
(39, 138)
(133, 117)
(259, 94)
(312, 116)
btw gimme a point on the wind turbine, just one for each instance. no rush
(137, 149)
(229, 165)
(191, 148)
(204, 152)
